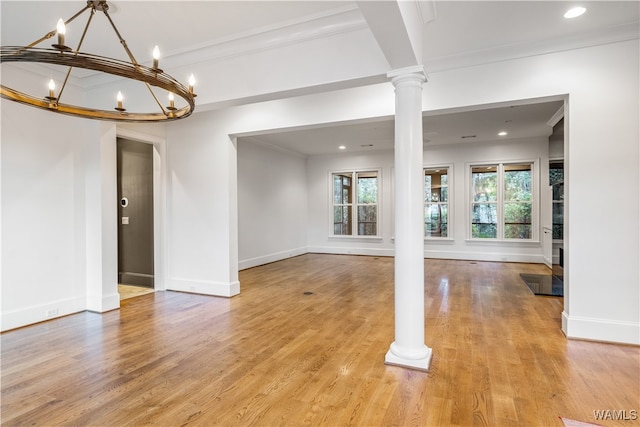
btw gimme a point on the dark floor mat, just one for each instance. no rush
(544, 284)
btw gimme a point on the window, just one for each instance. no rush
(436, 202)
(484, 207)
(556, 181)
(355, 203)
(517, 201)
(502, 201)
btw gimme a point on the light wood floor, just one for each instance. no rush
(273, 356)
(129, 291)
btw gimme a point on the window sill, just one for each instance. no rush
(503, 241)
(375, 239)
(438, 239)
(433, 240)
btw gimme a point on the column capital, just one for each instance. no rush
(408, 71)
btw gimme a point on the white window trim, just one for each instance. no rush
(356, 238)
(551, 160)
(450, 204)
(378, 236)
(535, 206)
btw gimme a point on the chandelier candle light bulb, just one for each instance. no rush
(52, 88)
(156, 56)
(119, 98)
(192, 81)
(171, 103)
(62, 30)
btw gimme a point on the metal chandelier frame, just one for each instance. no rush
(65, 56)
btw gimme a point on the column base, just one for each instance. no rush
(421, 364)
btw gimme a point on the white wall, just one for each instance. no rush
(59, 211)
(43, 220)
(461, 156)
(320, 193)
(602, 269)
(101, 216)
(202, 207)
(272, 204)
(458, 158)
(602, 282)
(202, 231)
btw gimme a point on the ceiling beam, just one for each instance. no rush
(397, 27)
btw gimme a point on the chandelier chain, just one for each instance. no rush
(84, 33)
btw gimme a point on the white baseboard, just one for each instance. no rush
(101, 304)
(266, 259)
(485, 256)
(219, 289)
(435, 254)
(605, 330)
(39, 313)
(350, 251)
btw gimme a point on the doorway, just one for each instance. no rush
(135, 213)
(557, 183)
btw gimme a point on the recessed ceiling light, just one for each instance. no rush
(503, 133)
(342, 147)
(574, 12)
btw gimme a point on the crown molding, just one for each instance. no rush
(559, 115)
(603, 36)
(256, 140)
(312, 27)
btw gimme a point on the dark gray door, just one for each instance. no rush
(135, 213)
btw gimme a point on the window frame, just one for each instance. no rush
(555, 201)
(500, 202)
(448, 203)
(355, 204)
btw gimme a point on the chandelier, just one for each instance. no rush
(62, 55)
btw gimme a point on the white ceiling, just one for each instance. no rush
(175, 26)
(461, 33)
(460, 28)
(464, 127)
(500, 28)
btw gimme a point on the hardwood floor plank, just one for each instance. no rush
(277, 356)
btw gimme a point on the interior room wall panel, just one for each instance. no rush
(602, 86)
(42, 216)
(202, 208)
(272, 204)
(320, 193)
(458, 156)
(586, 76)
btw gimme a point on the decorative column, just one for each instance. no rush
(409, 349)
